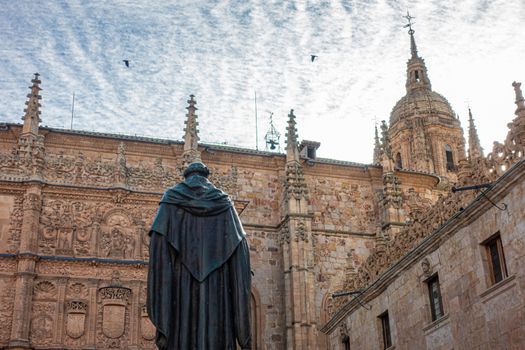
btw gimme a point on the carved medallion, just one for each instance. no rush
(76, 318)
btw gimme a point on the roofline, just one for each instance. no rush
(428, 244)
(206, 146)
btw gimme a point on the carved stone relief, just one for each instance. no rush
(42, 323)
(76, 318)
(11, 236)
(7, 297)
(118, 238)
(44, 290)
(82, 228)
(113, 317)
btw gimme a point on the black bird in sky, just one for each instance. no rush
(313, 57)
(126, 62)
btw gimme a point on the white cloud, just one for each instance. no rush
(224, 51)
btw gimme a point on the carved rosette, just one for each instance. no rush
(113, 316)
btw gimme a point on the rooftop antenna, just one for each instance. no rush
(256, 126)
(72, 110)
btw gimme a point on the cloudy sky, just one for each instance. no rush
(223, 51)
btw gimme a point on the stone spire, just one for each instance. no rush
(474, 148)
(31, 117)
(377, 148)
(413, 46)
(292, 148)
(191, 138)
(417, 77)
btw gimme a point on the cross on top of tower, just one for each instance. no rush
(410, 23)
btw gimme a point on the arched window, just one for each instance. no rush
(399, 163)
(450, 158)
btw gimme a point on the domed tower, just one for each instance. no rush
(424, 132)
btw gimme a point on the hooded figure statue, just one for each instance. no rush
(199, 278)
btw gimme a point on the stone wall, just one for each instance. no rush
(92, 198)
(477, 314)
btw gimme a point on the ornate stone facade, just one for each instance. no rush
(75, 209)
(449, 240)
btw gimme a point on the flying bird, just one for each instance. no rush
(313, 57)
(126, 62)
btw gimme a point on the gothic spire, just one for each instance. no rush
(377, 147)
(31, 117)
(191, 137)
(416, 70)
(413, 47)
(474, 148)
(292, 150)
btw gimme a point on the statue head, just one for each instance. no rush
(196, 168)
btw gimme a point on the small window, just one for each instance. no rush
(346, 342)
(496, 258)
(385, 328)
(434, 292)
(399, 162)
(310, 152)
(450, 158)
(417, 75)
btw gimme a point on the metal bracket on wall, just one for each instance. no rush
(488, 186)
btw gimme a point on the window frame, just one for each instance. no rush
(449, 158)
(495, 240)
(345, 340)
(386, 330)
(433, 309)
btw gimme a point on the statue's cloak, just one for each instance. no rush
(199, 270)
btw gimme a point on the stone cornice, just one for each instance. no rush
(429, 244)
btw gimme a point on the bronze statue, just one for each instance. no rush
(199, 278)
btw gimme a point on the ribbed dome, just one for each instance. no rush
(425, 101)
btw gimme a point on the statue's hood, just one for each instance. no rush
(197, 195)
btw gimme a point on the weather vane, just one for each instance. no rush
(410, 23)
(272, 137)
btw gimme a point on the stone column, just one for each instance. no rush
(301, 325)
(25, 276)
(26, 269)
(134, 315)
(91, 330)
(60, 311)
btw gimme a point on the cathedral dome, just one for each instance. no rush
(424, 102)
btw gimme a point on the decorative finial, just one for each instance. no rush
(292, 150)
(413, 47)
(385, 141)
(31, 117)
(474, 147)
(377, 147)
(191, 137)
